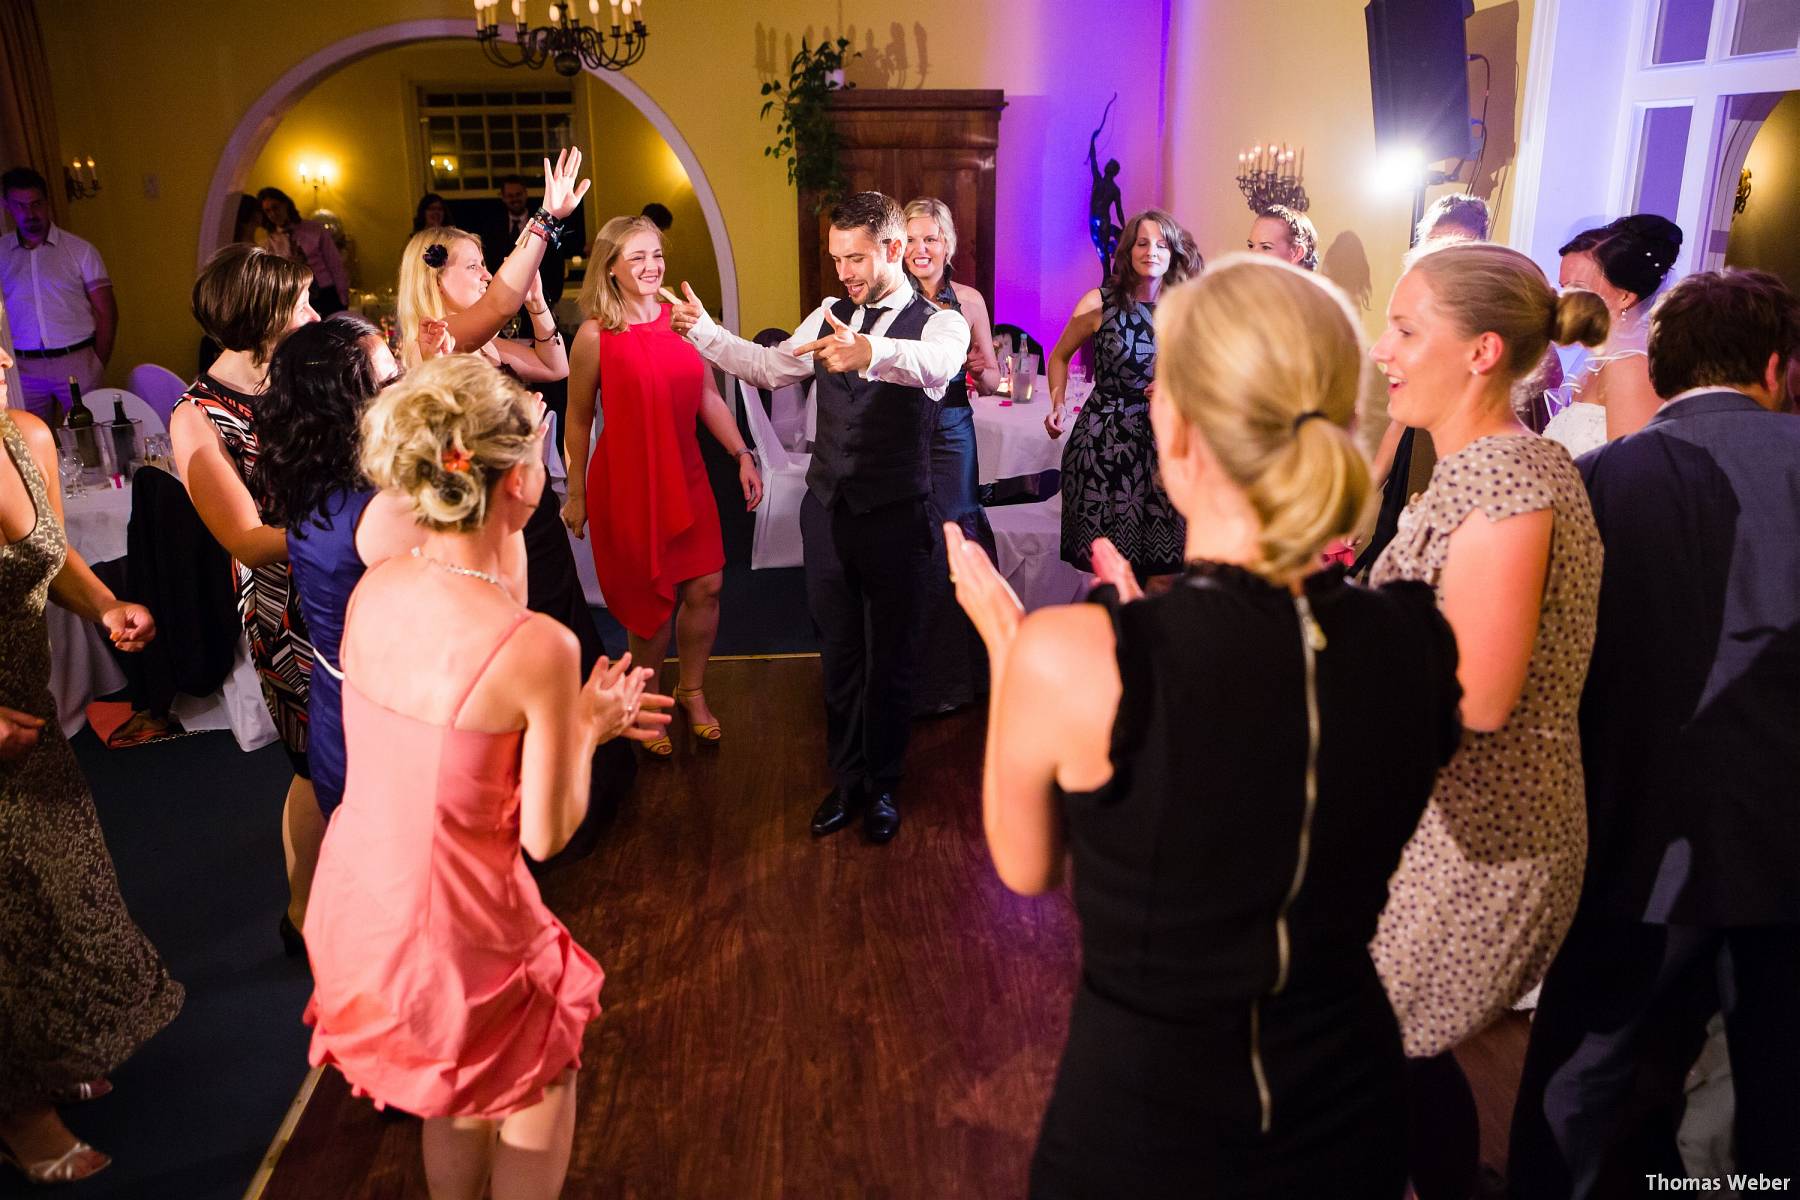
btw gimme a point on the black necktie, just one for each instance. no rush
(870, 315)
(518, 227)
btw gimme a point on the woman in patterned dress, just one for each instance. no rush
(1487, 886)
(80, 987)
(246, 298)
(1109, 483)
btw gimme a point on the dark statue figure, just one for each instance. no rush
(1106, 210)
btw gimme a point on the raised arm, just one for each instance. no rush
(477, 325)
(1492, 593)
(578, 421)
(1083, 324)
(219, 493)
(760, 366)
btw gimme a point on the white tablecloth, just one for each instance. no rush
(81, 666)
(1010, 439)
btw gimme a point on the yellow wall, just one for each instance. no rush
(181, 73)
(1767, 233)
(360, 120)
(1298, 71)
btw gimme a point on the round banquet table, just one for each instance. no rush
(82, 667)
(1010, 439)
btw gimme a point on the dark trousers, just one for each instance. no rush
(1622, 1016)
(865, 583)
(555, 590)
(952, 661)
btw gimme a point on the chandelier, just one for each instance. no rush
(565, 43)
(1270, 175)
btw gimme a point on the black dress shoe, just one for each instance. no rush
(882, 820)
(292, 943)
(837, 810)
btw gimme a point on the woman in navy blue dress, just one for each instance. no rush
(320, 379)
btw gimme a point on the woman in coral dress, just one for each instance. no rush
(645, 497)
(444, 986)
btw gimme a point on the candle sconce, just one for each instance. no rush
(1273, 174)
(315, 177)
(81, 179)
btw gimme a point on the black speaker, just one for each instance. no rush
(1418, 75)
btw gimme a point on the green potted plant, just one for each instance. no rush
(805, 134)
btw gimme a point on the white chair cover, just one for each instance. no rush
(159, 386)
(1028, 545)
(776, 542)
(578, 546)
(100, 400)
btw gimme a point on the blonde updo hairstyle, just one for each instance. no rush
(420, 299)
(1244, 353)
(1484, 288)
(444, 435)
(601, 298)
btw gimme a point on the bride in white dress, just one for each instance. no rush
(1625, 263)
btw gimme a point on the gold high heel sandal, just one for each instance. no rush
(712, 733)
(76, 1163)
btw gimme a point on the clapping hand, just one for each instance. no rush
(561, 191)
(1111, 567)
(842, 351)
(19, 732)
(989, 600)
(683, 314)
(617, 703)
(435, 340)
(130, 626)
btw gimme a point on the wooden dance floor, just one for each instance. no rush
(785, 1017)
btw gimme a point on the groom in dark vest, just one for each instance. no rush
(880, 360)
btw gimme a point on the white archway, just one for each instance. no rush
(254, 128)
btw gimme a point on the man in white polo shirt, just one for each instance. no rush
(58, 297)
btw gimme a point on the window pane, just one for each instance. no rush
(500, 139)
(1765, 25)
(1664, 150)
(1681, 31)
(473, 141)
(438, 99)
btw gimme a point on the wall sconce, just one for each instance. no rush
(1743, 192)
(81, 179)
(444, 164)
(315, 177)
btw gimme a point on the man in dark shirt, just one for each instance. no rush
(1690, 728)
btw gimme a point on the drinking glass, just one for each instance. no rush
(68, 468)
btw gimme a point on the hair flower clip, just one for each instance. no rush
(455, 460)
(436, 255)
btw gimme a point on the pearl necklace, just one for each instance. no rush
(471, 572)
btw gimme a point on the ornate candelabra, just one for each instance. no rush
(566, 43)
(1271, 174)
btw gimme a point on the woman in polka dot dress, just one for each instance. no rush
(1488, 884)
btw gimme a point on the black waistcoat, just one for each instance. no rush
(873, 444)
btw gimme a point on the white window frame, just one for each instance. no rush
(1716, 142)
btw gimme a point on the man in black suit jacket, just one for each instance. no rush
(1690, 727)
(499, 236)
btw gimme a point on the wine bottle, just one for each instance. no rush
(81, 420)
(124, 438)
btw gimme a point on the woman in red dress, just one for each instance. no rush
(654, 526)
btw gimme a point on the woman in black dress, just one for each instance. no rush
(1233, 767)
(1109, 483)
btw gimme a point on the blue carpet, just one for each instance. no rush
(194, 827)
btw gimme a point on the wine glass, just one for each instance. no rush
(68, 468)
